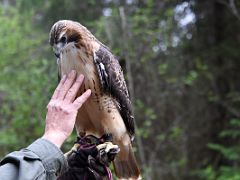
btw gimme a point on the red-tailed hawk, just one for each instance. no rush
(108, 110)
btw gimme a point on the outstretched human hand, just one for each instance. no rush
(63, 108)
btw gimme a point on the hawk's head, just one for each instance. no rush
(66, 33)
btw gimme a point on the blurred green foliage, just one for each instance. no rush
(231, 154)
(26, 83)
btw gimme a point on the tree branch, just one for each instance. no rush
(234, 8)
(231, 5)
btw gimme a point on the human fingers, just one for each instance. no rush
(72, 92)
(67, 85)
(82, 99)
(56, 92)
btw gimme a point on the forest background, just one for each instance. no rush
(180, 59)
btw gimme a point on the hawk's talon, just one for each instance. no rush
(107, 152)
(107, 146)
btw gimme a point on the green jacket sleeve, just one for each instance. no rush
(42, 160)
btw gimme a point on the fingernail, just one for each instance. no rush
(64, 77)
(73, 72)
(88, 92)
(80, 77)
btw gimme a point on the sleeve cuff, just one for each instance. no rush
(51, 156)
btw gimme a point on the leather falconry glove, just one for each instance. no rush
(90, 158)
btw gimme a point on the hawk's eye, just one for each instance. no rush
(74, 38)
(63, 39)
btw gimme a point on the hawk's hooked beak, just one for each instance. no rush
(57, 54)
(59, 46)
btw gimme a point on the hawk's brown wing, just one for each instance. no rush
(113, 83)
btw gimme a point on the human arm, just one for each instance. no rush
(43, 159)
(40, 160)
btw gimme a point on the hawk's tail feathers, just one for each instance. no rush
(126, 168)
